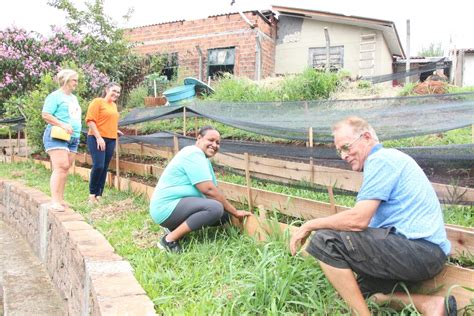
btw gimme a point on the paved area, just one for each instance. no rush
(25, 286)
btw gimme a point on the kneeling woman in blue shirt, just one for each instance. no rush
(186, 197)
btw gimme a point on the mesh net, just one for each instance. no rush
(450, 156)
(12, 120)
(439, 64)
(392, 118)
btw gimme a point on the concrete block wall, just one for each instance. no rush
(228, 30)
(83, 266)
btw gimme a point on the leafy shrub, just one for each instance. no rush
(26, 56)
(310, 85)
(136, 97)
(161, 81)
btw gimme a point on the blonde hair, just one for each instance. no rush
(358, 125)
(64, 76)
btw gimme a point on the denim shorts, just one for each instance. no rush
(52, 143)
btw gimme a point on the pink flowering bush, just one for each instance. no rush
(26, 56)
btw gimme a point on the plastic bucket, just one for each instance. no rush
(180, 93)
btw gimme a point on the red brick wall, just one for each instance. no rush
(214, 32)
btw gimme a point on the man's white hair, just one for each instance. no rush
(358, 125)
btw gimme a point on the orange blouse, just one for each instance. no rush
(105, 116)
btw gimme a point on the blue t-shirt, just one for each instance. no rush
(408, 200)
(188, 168)
(65, 108)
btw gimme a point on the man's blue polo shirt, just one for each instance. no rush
(408, 200)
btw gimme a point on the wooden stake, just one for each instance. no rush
(117, 164)
(10, 141)
(311, 162)
(249, 184)
(184, 121)
(175, 144)
(26, 144)
(196, 129)
(331, 199)
(18, 141)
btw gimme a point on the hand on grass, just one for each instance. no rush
(298, 238)
(241, 214)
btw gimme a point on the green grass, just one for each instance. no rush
(226, 131)
(457, 136)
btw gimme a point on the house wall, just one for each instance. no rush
(221, 31)
(297, 35)
(468, 70)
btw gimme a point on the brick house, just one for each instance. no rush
(284, 40)
(240, 43)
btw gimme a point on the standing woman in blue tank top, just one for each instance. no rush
(62, 109)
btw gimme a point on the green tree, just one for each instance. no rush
(433, 50)
(105, 45)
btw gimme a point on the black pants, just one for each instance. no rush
(100, 163)
(380, 257)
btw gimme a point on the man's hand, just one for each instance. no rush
(298, 238)
(241, 214)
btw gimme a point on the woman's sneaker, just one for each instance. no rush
(171, 246)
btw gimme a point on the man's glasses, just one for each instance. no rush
(344, 149)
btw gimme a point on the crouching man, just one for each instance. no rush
(394, 233)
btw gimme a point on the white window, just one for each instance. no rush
(317, 57)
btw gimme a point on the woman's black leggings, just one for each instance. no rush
(197, 213)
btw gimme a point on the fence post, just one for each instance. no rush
(311, 162)
(184, 121)
(247, 179)
(117, 164)
(331, 199)
(175, 145)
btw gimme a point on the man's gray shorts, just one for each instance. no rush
(380, 257)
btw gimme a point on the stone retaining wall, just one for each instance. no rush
(83, 266)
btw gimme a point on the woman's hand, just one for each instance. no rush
(241, 214)
(119, 133)
(66, 127)
(298, 238)
(100, 143)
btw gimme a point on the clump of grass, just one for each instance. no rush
(456, 136)
(309, 85)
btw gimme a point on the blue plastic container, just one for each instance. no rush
(181, 93)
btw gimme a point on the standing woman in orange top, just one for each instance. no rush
(102, 119)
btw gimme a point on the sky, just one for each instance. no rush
(431, 22)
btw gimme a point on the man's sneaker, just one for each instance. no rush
(171, 246)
